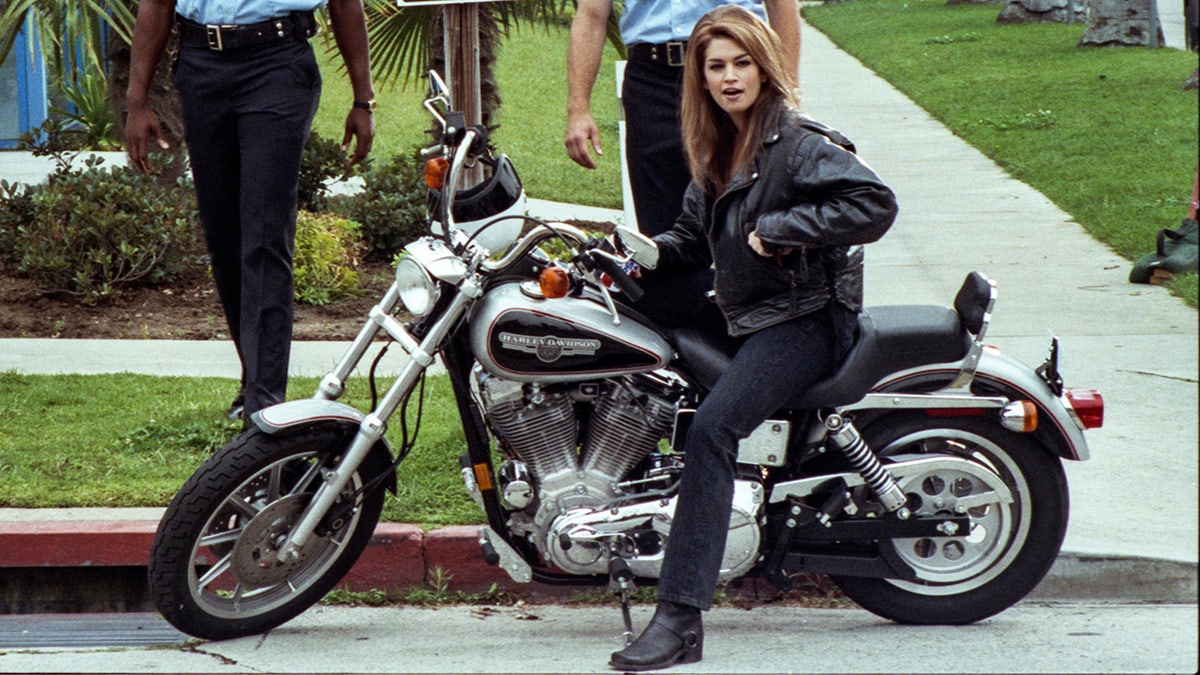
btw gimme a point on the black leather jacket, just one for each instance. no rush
(806, 189)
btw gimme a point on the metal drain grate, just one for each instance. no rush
(44, 631)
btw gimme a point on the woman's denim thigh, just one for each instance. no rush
(772, 365)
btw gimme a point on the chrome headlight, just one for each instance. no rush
(418, 291)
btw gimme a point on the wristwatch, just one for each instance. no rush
(366, 105)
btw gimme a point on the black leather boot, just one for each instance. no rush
(673, 636)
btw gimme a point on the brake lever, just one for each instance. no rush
(592, 274)
(604, 292)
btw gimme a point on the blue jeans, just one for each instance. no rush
(772, 366)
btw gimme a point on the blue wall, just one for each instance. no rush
(22, 91)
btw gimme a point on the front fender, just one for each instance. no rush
(284, 418)
(1007, 375)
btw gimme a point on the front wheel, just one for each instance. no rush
(213, 573)
(1010, 547)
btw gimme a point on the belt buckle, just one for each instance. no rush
(213, 32)
(675, 52)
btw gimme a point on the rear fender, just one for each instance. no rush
(1000, 373)
(285, 418)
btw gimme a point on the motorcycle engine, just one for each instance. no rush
(581, 501)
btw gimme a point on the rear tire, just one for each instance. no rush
(212, 574)
(1011, 546)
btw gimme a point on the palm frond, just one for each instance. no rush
(69, 33)
(400, 40)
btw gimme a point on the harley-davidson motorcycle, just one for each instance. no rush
(924, 476)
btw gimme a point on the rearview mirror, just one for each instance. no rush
(638, 246)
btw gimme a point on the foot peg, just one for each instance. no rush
(495, 548)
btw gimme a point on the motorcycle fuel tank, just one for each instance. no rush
(523, 337)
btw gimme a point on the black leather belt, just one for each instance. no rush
(219, 37)
(667, 53)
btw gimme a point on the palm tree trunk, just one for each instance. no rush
(489, 45)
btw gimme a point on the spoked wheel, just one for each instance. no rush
(1011, 544)
(214, 570)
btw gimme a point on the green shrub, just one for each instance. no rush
(391, 207)
(327, 249)
(89, 231)
(16, 208)
(322, 160)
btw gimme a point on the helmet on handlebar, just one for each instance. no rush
(498, 195)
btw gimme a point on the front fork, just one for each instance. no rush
(374, 425)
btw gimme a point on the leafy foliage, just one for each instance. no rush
(400, 36)
(327, 249)
(391, 207)
(70, 32)
(322, 160)
(90, 120)
(89, 231)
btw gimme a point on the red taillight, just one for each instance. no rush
(1088, 406)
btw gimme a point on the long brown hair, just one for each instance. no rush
(712, 142)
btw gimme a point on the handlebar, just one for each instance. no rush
(613, 269)
(543, 232)
(452, 177)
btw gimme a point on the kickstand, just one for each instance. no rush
(621, 583)
(628, 634)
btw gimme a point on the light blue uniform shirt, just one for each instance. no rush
(240, 11)
(657, 21)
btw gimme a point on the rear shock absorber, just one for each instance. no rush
(859, 454)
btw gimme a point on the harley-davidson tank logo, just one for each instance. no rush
(549, 348)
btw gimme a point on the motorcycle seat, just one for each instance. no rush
(888, 339)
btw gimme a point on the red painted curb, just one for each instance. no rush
(398, 557)
(76, 544)
(455, 550)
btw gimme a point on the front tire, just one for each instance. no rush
(212, 571)
(1011, 546)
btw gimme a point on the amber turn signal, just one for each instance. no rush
(435, 172)
(1020, 416)
(554, 282)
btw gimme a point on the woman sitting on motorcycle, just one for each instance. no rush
(775, 202)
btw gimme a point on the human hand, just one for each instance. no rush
(360, 126)
(582, 133)
(141, 128)
(766, 250)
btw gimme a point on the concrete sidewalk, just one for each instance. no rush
(1134, 512)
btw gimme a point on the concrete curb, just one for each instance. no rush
(402, 556)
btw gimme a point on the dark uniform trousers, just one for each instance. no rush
(658, 178)
(247, 114)
(658, 170)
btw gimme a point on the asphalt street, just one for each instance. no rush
(1032, 637)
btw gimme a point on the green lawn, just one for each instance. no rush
(1107, 134)
(531, 74)
(132, 440)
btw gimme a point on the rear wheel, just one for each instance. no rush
(213, 570)
(1010, 546)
